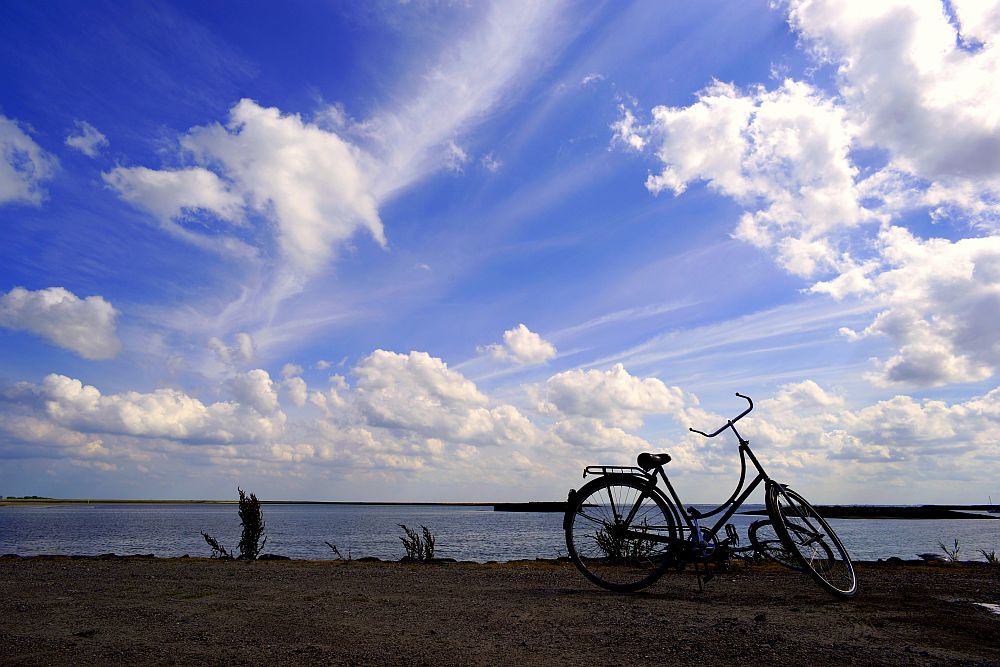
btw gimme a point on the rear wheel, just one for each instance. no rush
(620, 533)
(807, 535)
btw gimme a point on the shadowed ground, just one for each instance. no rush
(164, 611)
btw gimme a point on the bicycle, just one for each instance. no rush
(624, 532)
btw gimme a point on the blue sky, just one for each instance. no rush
(446, 251)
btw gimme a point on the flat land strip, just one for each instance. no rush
(56, 610)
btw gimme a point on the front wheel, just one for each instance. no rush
(815, 545)
(620, 532)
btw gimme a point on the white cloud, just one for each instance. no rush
(297, 391)
(942, 306)
(910, 86)
(177, 198)
(164, 413)
(310, 189)
(806, 427)
(242, 350)
(291, 370)
(310, 182)
(174, 194)
(417, 393)
(613, 396)
(24, 165)
(784, 154)
(85, 326)
(920, 92)
(87, 139)
(491, 163)
(522, 346)
(455, 158)
(256, 389)
(593, 435)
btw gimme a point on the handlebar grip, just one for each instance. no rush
(694, 430)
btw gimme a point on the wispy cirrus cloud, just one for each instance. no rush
(319, 186)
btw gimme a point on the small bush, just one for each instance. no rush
(418, 547)
(252, 538)
(950, 553)
(218, 551)
(336, 552)
(990, 556)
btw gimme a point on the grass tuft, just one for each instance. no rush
(950, 553)
(419, 546)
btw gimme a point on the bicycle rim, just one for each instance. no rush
(814, 542)
(620, 537)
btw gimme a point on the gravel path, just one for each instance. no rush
(184, 611)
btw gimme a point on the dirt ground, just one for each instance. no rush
(184, 611)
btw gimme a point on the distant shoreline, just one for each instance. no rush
(828, 511)
(112, 501)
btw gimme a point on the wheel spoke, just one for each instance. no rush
(619, 535)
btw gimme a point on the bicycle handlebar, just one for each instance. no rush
(730, 422)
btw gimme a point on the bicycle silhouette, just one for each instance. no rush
(623, 532)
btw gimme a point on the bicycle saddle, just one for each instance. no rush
(648, 461)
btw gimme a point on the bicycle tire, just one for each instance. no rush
(770, 546)
(620, 536)
(812, 540)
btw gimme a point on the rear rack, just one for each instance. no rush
(607, 470)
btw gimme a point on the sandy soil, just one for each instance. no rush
(170, 611)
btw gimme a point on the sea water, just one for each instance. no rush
(462, 532)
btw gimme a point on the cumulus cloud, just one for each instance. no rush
(87, 139)
(593, 435)
(296, 390)
(920, 88)
(291, 370)
(24, 165)
(175, 194)
(783, 153)
(614, 396)
(418, 393)
(522, 346)
(911, 84)
(256, 389)
(164, 413)
(85, 326)
(942, 305)
(805, 426)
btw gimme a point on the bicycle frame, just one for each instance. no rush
(690, 516)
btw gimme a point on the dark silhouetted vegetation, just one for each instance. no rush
(336, 551)
(619, 548)
(418, 547)
(252, 537)
(218, 551)
(950, 553)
